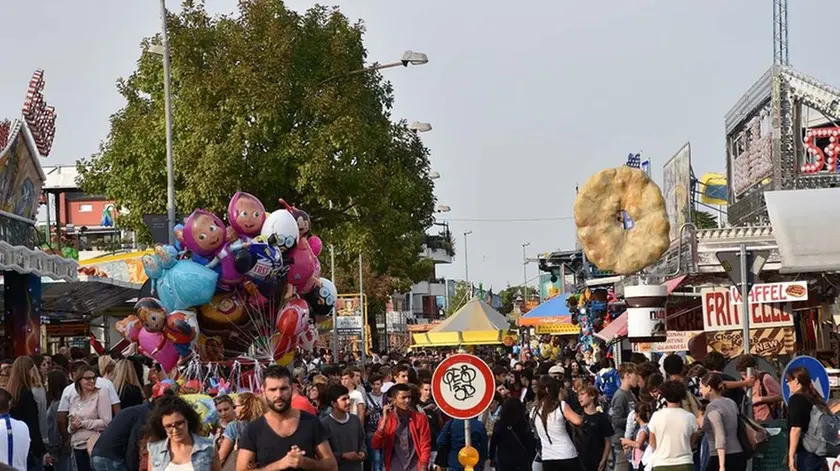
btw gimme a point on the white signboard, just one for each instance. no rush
(785, 292)
(349, 324)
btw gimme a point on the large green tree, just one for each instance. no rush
(262, 103)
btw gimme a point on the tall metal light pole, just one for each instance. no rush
(524, 271)
(170, 161)
(467, 263)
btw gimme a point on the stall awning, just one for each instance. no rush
(805, 231)
(616, 329)
(476, 323)
(553, 311)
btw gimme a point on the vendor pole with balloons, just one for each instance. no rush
(248, 289)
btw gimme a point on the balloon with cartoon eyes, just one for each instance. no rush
(281, 229)
(246, 215)
(322, 299)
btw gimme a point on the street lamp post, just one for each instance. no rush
(524, 271)
(170, 160)
(408, 58)
(364, 311)
(467, 262)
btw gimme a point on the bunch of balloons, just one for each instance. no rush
(250, 287)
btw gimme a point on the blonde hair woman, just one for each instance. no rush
(248, 407)
(107, 366)
(25, 407)
(127, 384)
(40, 392)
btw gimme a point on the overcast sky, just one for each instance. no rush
(526, 101)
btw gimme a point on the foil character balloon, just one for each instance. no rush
(308, 338)
(269, 269)
(305, 266)
(129, 328)
(322, 299)
(206, 238)
(182, 331)
(316, 245)
(304, 222)
(185, 285)
(246, 215)
(155, 346)
(224, 311)
(178, 231)
(293, 318)
(281, 228)
(151, 313)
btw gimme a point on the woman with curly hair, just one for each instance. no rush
(175, 443)
(248, 407)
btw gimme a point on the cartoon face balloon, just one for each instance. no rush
(322, 299)
(246, 214)
(204, 233)
(187, 284)
(283, 226)
(151, 313)
(304, 222)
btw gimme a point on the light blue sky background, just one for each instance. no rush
(526, 98)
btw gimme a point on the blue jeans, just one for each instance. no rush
(377, 459)
(99, 463)
(807, 461)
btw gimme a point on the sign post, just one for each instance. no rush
(463, 387)
(745, 277)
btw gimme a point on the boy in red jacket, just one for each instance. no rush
(403, 433)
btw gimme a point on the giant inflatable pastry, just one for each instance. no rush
(600, 226)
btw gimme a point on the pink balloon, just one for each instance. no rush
(316, 245)
(303, 267)
(155, 346)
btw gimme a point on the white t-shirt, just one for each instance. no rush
(556, 444)
(20, 444)
(386, 386)
(356, 398)
(101, 383)
(673, 428)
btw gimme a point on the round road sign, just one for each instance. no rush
(463, 386)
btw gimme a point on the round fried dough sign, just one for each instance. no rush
(605, 240)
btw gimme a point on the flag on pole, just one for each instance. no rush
(633, 160)
(646, 167)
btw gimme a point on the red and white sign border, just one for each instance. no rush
(483, 369)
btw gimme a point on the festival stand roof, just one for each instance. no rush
(553, 311)
(475, 323)
(616, 329)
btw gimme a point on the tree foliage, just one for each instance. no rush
(704, 220)
(510, 294)
(462, 296)
(262, 103)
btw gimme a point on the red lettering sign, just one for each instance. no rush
(722, 312)
(786, 292)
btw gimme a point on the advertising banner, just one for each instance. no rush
(785, 292)
(676, 188)
(350, 314)
(763, 342)
(675, 341)
(721, 312)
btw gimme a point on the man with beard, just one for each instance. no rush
(284, 438)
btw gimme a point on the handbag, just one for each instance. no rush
(751, 435)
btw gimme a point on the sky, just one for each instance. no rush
(527, 99)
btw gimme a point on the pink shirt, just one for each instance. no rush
(95, 413)
(770, 388)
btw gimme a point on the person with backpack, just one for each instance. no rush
(813, 429)
(376, 400)
(607, 380)
(766, 392)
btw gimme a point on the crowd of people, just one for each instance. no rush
(71, 412)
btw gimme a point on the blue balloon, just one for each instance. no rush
(268, 271)
(187, 284)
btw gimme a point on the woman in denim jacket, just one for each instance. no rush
(174, 440)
